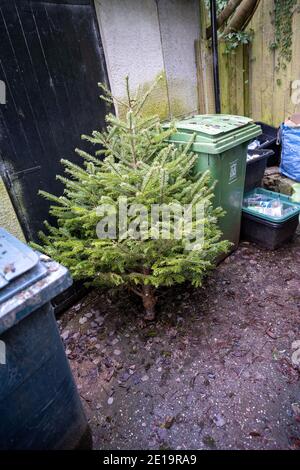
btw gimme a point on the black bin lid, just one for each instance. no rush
(16, 259)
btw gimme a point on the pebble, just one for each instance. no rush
(117, 352)
(219, 421)
(145, 378)
(89, 315)
(82, 320)
(296, 408)
(65, 335)
(162, 434)
(110, 401)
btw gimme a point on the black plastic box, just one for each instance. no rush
(256, 168)
(268, 140)
(268, 234)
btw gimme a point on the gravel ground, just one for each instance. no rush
(215, 371)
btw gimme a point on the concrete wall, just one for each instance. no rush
(8, 218)
(180, 27)
(148, 38)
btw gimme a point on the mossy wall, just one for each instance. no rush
(8, 218)
(153, 38)
(161, 101)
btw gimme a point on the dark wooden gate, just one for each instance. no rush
(51, 59)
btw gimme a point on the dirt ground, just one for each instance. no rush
(214, 372)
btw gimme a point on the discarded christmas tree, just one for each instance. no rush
(136, 215)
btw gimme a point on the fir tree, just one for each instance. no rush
(133, 161)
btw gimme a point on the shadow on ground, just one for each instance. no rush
(214, 372)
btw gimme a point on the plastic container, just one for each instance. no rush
(256, 168)
(269, 231)
(269, 235)
(221, 141)
(40, 407)
(264, 199)
(268, 140)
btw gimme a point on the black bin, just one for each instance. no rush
(268, 140)
(40, 408)
(256, 168)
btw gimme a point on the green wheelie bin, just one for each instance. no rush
(221, 142)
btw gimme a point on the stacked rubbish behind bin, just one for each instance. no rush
(256, 165)
(269, 140)
(268, 219)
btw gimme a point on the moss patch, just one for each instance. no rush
(8, 218)
(157, 103)
(160, 102)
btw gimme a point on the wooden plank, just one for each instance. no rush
(204, 19)
(207, 76)
(268, 62)
(239, 81)
(281, 92)
(256, 59)
(224, 78)
(246, 80)
(200, 84)
(291, 107)
(233, 84)
(250, 82)
(281, 82)
(51, 99)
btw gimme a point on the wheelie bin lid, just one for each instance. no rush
(28, 280)
(214, 133)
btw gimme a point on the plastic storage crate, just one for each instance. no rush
(267, 230)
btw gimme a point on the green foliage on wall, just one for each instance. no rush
(283, 31)
(235, 38)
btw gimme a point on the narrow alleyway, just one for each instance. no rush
(214, 372)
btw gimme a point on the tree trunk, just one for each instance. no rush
(242, 15)
(224, 15)
(149, 302)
